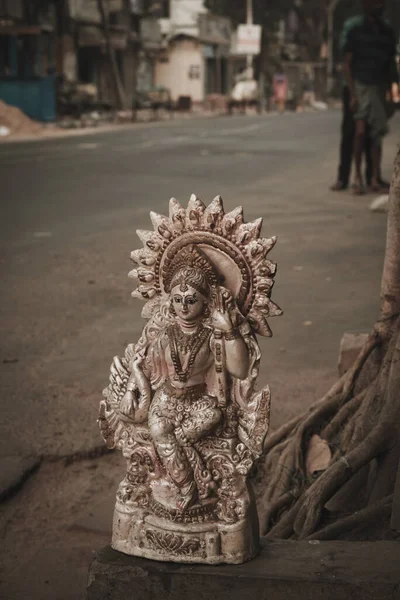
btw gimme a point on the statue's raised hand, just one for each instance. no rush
(223, 317)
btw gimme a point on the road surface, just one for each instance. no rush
(70, 208)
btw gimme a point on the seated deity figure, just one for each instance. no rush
(183, 409)
(181, 404)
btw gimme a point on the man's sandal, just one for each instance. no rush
(338, 186)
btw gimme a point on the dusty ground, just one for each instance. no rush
(42, 555)
(67, 230)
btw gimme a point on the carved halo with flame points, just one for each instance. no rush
(235, 248)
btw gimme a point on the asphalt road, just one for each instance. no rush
(69, 211)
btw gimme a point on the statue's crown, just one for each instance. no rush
(226, 249)
(194, 258)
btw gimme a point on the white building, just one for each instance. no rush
(194, 63)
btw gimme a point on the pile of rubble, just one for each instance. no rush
(14, 122)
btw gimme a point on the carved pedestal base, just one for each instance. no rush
(149, 536)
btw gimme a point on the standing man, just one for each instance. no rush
(370, 69)
(348, 124)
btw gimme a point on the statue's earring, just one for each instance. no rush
(206, 310)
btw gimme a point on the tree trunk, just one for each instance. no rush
(357, 423)
(390, 286)
(103, 9)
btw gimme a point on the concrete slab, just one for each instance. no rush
(350, 348)
(283, 570)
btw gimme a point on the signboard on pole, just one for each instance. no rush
(248, 39)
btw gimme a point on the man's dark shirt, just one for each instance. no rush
(373, 47)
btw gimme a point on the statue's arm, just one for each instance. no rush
(225, 319)
(236, 353)
(142, 382)
(145, 369)
(138, 390)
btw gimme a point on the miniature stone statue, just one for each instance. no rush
(181, 404)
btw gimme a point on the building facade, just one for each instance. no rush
(27, 57)
(100, 48)
(54, 54)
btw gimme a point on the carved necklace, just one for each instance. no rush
(184, 340)
(191, 343)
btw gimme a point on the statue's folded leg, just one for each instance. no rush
(174, 445)
(171, 454)
(203, 417)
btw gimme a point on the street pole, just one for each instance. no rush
(329, 64)
(103, 9)
(249, 21)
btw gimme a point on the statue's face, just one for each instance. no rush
(187, 302)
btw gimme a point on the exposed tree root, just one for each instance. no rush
(280, 480)
(283, 529)
(279, 504)
(372, 342)
(342, 416)
(277, 436)
(348, 435)
(381, 509)
(359, 428)
(314, 499)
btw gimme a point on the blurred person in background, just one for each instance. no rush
(245, 91)
(280, 86)
(348, 126)
(370, 69)
(308, 98)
